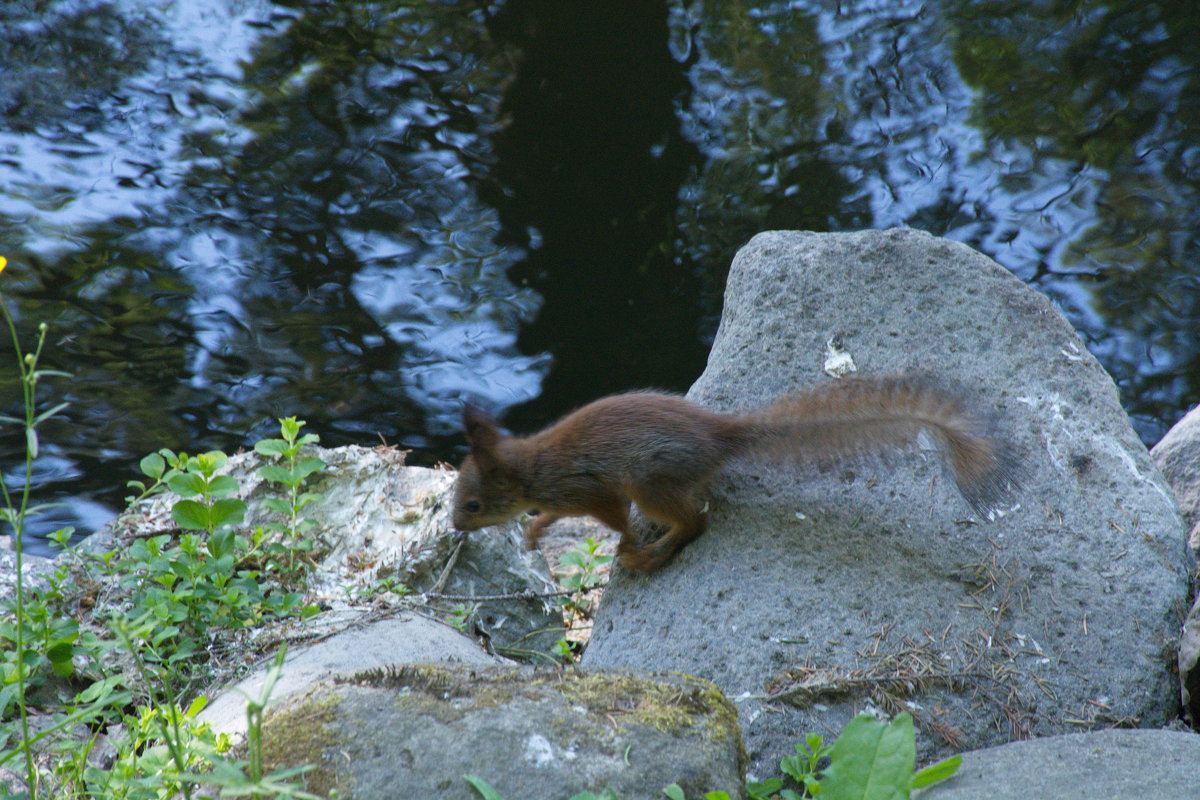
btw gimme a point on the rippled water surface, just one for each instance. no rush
(362, 213)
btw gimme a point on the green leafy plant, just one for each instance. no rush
(564, 650)
(584, 560)
(44, 644)
(675, 792)
(248, 777)
(160, 468)
(194, 584)
(20, 666)
(149, 764)
(292, 537)
(458, 617)
(812, 756)
(377, 590)
(870, 760)
(176, 592)
(217, 576)
(875, 760)
(214, 509)
(583, 563)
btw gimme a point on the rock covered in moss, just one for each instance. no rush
(366, 644)
(416, 731)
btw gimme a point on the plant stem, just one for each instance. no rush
(172, 736)
(28, 367)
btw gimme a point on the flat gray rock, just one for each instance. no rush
(1149, 765)
(531, 734)
(818, 593)
(405, 639)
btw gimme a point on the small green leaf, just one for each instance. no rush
(187, 484)
(764, 789)
(289, 427)
(60, 659)
(794, 766)
(31, 443)
(62, 536)
(308, 466)
(221, 542)
(275, 474)
(872, 760)
(674, 792)
(153, 466)
(308, 497)
(197, 706)
(483, 787)
(40, 507)
(936, 772)
(45, 415)
(191, 515)
(277, 505)
(271, 447)
(101, 688)
(222, 485)
(208, 463)
(573, 558)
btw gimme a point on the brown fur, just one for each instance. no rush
(662, 452)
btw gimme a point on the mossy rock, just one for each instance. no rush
(531, 733)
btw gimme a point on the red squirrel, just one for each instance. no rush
(662, 452)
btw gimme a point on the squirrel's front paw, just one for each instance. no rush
(533, 532)
(536, 529)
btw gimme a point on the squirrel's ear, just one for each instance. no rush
(480, 428)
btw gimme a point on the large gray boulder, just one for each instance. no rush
(818, 593)
(1178, 456)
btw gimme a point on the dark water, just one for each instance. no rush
(362, 213)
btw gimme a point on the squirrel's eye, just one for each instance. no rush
(472, 506)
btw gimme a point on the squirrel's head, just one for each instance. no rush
(487, 491)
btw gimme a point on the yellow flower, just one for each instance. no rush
(3, 263)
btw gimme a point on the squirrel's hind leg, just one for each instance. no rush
(672, 504)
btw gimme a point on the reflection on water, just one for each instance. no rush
(363, 213)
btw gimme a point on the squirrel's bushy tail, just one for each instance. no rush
(861, 417)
